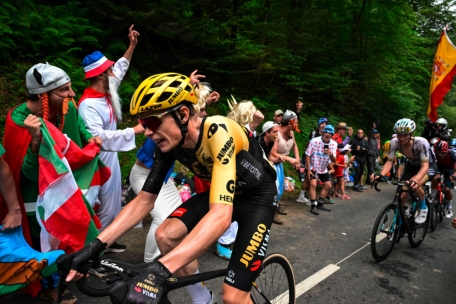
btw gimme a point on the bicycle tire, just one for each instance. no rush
(417, 232)
(275, 282)
(441, 209)
(434, 215)
(382, 240)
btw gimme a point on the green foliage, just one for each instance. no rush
(351, 60)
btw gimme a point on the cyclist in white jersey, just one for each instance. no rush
(419, 166)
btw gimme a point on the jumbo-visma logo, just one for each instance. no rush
(257, 247)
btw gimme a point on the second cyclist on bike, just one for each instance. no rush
(446, 164)
(420, 161)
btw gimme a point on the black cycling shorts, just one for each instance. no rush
(323, 177)
(254, 213)
(410, 171)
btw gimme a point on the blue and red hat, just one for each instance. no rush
(95, 64)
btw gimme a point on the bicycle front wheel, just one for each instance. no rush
(417, 232)
(384, 233)
(434, 214)
(441, 208)
(276, 281)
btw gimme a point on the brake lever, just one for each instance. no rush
(64, 266)
(375, 185)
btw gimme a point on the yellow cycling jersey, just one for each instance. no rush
(226, 154)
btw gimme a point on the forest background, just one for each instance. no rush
(356, 61)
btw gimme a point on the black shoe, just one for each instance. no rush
(323, 208)
(357, 189)
(313, 210)
(116, 248)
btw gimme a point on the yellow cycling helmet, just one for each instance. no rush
(162, 93)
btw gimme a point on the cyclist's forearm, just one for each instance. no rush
(201, 238)
(129, 217)
(386, 167)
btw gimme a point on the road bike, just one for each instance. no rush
(436, 202)
(274, 284)
(392, 223)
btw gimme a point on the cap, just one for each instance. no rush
(345, 148)
(341, 125)
(374, 131)
(278, 112)
(43, 77)
(268, 125)
(95, 64)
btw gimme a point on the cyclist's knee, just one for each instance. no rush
(170, 234)
(232, 295)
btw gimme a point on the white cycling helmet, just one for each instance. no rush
(404, 126)
(442, 121)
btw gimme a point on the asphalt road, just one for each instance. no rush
(331, 258)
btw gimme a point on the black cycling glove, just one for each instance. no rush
(84, 259)
(149, 286)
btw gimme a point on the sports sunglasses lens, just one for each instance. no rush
(151, 123)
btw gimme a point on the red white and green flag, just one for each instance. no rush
(66, 172)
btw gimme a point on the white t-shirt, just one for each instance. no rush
(319, 161)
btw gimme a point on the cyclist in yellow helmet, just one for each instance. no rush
(215, 149)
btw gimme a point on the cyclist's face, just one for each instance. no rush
(167, 135)
(403, 138)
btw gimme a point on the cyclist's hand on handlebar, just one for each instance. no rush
(376, 177)
(149, 285)
(82, 260)
(413, 184)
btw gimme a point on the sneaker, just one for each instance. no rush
(224, 251)
(101, 271)
(422, 215)
(345, 197)
(282, 203)
(277, 220)
(213, 298)
(313, 210)
(337, 195)
(349, 184)
(281, 211)
(363, 187)
(357, 189)
(323, 208)
(116, 248)
(448, 212)
(302, 199)
(328, 201)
